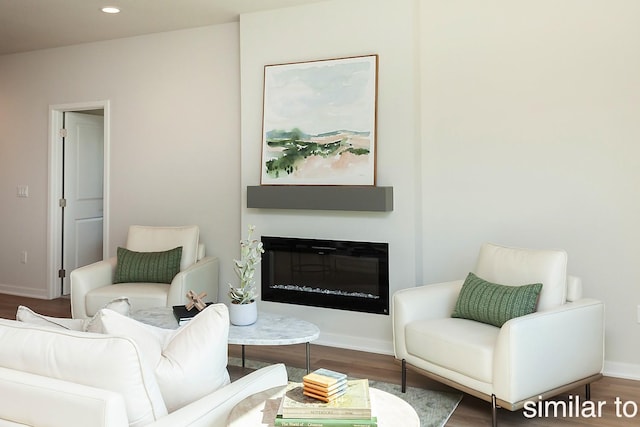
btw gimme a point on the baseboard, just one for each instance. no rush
(355, 343)
(22, 292)
(630, 371)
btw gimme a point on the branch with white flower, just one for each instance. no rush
(250, 256)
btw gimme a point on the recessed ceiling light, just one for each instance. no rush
(110, 10)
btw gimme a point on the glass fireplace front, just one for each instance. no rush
(337, 274)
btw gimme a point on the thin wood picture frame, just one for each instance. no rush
(319, 122)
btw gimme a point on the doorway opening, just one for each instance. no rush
(78, 190)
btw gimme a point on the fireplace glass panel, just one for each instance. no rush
(326, 273)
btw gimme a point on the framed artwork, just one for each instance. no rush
(319, 122)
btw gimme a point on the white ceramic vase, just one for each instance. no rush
(243, 314)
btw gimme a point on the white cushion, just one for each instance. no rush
(25, 314)
(156, 239)
(188, 362)
(461, 345)
(101, 361)
(516, 267)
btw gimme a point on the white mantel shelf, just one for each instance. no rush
(321, 197)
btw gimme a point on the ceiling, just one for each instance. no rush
(27, 25)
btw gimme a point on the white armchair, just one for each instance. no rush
(550, 351)
(92, 286)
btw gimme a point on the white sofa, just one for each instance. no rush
(53, 377)
(92, 286)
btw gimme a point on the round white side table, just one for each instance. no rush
(260, 409)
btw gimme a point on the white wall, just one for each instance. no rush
(523, 117)
(175, 121)
(331, 30)
(530, 129)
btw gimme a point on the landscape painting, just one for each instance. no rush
(319, 123)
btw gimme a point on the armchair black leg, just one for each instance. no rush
(404, 376)
(587, 391)
(494, 411)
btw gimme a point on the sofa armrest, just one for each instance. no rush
(200, 277)
(423, 302)
(548, 349)
(213, 409)
(86, 278)
(35, 400)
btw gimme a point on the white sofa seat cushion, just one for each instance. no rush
(156, 239)
(460, 345)
(517, 266)
(73, 356)
(188, 362)
(140, 295)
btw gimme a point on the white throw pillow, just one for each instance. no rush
(189, 362)
(25, 314)
(119, 305)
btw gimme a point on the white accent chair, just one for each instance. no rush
(92, 286)
(553, 350)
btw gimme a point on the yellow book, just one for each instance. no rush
(324, 391)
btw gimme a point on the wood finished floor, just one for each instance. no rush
(471, 412)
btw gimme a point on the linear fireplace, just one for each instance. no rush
(326, 273)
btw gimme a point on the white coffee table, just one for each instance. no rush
(269, 329)
(259, 410)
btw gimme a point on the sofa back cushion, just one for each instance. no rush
(516, 267)
(158, 239)
(96, 360)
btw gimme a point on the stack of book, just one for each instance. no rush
(324, 384)
(351, 408)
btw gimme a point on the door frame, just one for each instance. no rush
(54, 252)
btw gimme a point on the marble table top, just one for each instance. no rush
(260, 409)
(162, 317)
(274, 329)
(269, 329)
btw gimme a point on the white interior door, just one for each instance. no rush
(83, 192)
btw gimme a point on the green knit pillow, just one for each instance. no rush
(151, 267)
(495, 304)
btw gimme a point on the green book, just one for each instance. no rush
(325, 422)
